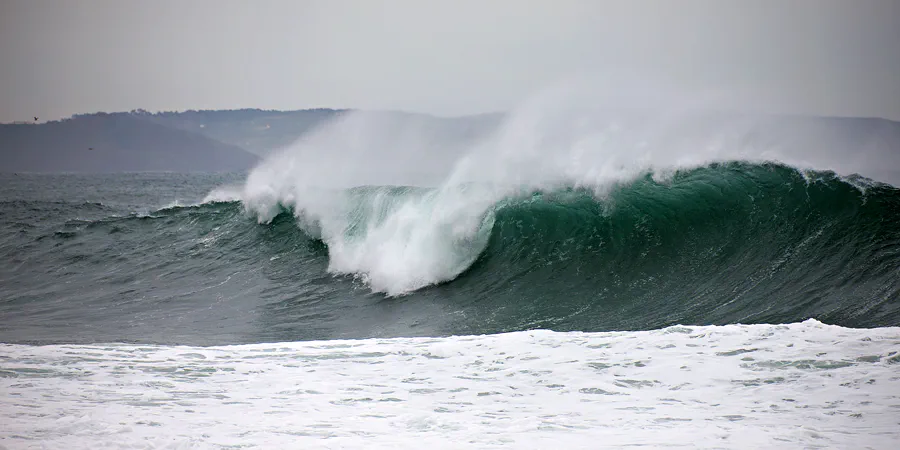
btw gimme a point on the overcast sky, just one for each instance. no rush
(60, 57)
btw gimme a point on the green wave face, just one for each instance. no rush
(726, 243)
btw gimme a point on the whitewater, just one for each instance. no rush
(805, 385)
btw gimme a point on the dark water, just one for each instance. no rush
(112, 258)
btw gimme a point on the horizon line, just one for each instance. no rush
(141, 111)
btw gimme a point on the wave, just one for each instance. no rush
(402, 239)
(726, 243)
(719, 241)
(558, 221)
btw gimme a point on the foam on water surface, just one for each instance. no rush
(757, 386)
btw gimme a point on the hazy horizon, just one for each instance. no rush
(827, 58)
(395, 111)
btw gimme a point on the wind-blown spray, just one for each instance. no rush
(399, 240)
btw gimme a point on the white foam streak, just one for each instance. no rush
(224, 194)
(422, 240)
(761, 386)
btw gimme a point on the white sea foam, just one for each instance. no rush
(225, 193)
(804, 385)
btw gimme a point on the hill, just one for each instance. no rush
(255, 130)
(114, 143)
(235, 140)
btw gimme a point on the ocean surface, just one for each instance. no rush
(137, 312)
(547, 289)
(140, 258)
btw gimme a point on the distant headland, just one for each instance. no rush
(236, 140)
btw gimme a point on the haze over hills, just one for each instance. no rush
(261, 132)
(213, 140)
(257, 131)
(114, 143)
(236, 140)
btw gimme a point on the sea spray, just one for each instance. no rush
(551, 142)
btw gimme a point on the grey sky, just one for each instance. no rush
(60, 57)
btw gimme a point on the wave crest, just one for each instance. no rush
(402, 239)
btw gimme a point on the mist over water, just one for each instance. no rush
(564, 138)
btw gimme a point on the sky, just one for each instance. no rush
(824, 57)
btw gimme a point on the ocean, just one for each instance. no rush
(714, 303)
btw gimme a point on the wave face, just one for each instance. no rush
(731, 243)
(726, 243)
